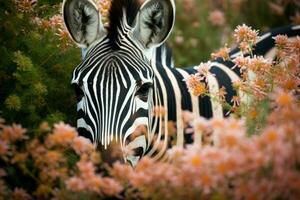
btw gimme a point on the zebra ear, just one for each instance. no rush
(154, 22)
(83, 21)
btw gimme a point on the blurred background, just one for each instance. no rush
(37, 57)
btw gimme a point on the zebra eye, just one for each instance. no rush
(78, 91)
(144, 91)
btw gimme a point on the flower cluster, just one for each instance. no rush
(25, 5)
(104, 7)
(52, 159)
(246, 37)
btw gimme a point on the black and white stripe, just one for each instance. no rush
(127, 71)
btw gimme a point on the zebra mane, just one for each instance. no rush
(131, 8)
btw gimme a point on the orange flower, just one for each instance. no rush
(281, 41)
(259, 64)
(19, 158)
(110, 187)
(222, 53)
(104, 7)
(270, 136)
(25, 5)
(245, 34)
(294, 47)
(199, 89)
(203, 70)
(222, 94)
(63, 135)
(196, 161)
(236, 100)
(241, 62)
(82, 145)
(93, 183)
(195, 86)
(159, 111)
(75, 184)
(53, 158)
(282, 98)
(121, 172)
(13, 133)
(86, 168)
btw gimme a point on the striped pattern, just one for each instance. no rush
(119, 82)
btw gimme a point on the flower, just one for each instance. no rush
(121, 172)
(3, 148)
(282, 98)
(245, 34)
(63, 135)
(75, 184)
(222, 53)
(221, 94)
(25, 5)
(281, 41)
(159, 111)
(194, 85)
(104, 7)
(82, 145)
(20, 194)
(203, 70)
(13, 133)
(110, 187)
(258, 64)
(217, 18)
(179, 40)
(236, 100)
(86, 169)
(241, 62)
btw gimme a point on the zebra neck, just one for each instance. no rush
(170, 92)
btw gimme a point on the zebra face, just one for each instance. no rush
(115, 82)
(114, 94)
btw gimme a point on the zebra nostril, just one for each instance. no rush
(85, 133)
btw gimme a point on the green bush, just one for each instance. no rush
(35, 68)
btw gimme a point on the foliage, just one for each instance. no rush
(35, 66)
(203, 26)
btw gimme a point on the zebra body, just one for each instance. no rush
(127, 70)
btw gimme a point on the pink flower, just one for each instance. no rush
(86, 168)
(245, 34)
(179, 40)
(82, 145)
(121, 172)
(13, 133)
(20, 194)
(93, 183)
(110, 187)
(75, 184)
(63, 135)
(195, 86)
(3, 148)
(217, 18)
(241, 62)
(221, 53)
(203, 71)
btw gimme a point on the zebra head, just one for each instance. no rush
(115, 81)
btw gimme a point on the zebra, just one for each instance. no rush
(127, 70)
